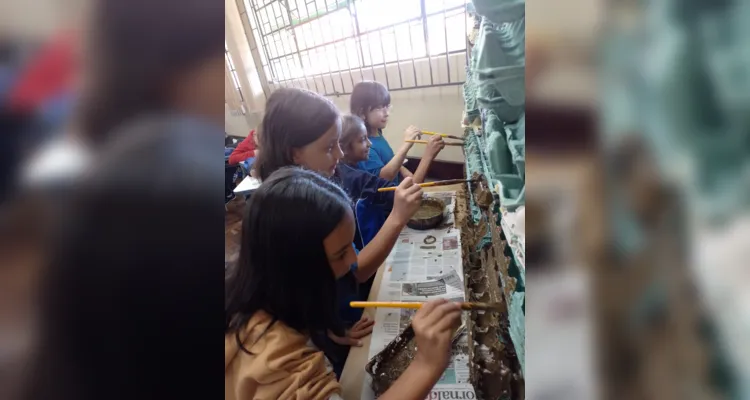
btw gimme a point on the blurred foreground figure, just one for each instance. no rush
(138, 62)
(128, 294)
(677, 135)
(36, 81)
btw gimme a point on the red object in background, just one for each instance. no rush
(245, 150)
(50, 72)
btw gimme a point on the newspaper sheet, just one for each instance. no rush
(424, 265)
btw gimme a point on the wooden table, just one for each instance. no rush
(354, 373)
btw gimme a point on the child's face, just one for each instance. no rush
(338, 246)
(256, 139)
(323, 154)
(359, 149)
(378, 117)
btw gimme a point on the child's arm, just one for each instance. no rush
(434, 146)
(434, 325)
(407, 200)
(245, 150)
(391, 170)
(405, 172)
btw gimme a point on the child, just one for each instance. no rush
(303, 128)
(371, 101)
(152, 297)
(245, 150)
(372, 207)
(279, 302)
(180, 71)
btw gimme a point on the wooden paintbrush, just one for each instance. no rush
(445, 135)
(429, 184)
(425, 142)
(417, 305)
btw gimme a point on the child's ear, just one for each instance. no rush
(296, 156)
(348, 148)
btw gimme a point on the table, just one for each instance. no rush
(354, 373)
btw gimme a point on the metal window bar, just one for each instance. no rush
(284, 53)
(377, 30)
(235, 77)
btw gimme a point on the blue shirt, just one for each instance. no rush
(348, 290)
(370, 206)
(381, 154)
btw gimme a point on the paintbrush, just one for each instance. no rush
(416, 305)
(429, 184)
(425, 142)
(445, 135)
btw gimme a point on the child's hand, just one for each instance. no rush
(407, 200)
(412, 133)
(353, 337)
(434, 146)
(434, 325)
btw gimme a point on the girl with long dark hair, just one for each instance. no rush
(281, 297)
(303, 128)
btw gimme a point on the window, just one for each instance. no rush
(322, 44)
(233, 74)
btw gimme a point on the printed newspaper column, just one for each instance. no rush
(424, 265)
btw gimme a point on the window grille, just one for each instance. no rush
(330, 45)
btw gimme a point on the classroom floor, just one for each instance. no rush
(233, 229)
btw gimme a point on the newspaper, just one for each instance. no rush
(424, 265)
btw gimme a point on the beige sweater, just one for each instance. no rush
(283, 365)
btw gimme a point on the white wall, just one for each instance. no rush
(236, 125)
(32, 19)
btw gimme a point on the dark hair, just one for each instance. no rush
(293, 119)
(292, 208)
(366, 96)
(138, 49)
(134, 280)
(351, 127)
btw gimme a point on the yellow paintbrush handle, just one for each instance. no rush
(385, 304)
(393, 188)
(435, 133)
(445, 135)
(397, 304)
(425, 142)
